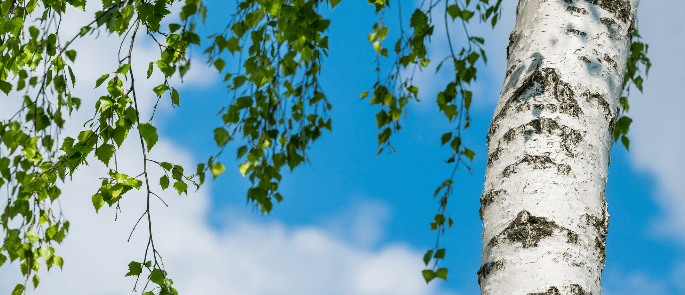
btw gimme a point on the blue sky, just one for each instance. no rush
(345, 172)
(351, 214)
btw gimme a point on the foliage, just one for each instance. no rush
(277, 109)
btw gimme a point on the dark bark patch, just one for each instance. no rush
(487, 198)
(576, 32)
(619, 8)
(528, 229)
(611, 25)
(601, 224)
(494, 156)
(572, 237)
(551, 291)
(571, 8)
(510, 70)
(487, 268)
(611, 62)
(513, 38)
(539, 82)
(570, 137)
(578, 290)
(537, 162)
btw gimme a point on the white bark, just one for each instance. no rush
(543, 206)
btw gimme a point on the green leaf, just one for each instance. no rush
(71, 55)
(124, 69)
(5, 87)
(134, 269)
(157, 277)
(218, 168)
(469, 154)
(104, 153)
(427, 257)
(101, 80)
(439, 254)
(384, 136)
(466, 15)
(221, 136)
(335, 3)
(164, 182)
(58, 260)
(98, 202)
(175, 98)
(18, 289)
(428, 275)
(441, 273)
(626, 142)
(149, 70)
(36, 280)
(149, 134)
(245, 168)
(219, 64)
(454, 11)
(167, 166)
(233, 45)
(160, 89)
(446, 137)
(181, 187)
(32, 236)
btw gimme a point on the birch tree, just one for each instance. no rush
(543, 207)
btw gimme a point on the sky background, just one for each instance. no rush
(352, 222)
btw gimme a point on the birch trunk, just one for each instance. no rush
(543, 206)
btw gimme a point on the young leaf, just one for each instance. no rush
(428, 275)
(427, 257)
(218, 168)
(101, 80)
(441, 273)
(149, 134)
(181, 187)
(164, 182)
(134, 269)
(221, 136)
(104, 153)
(149, 70)
(124, 69)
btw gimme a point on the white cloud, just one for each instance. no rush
(243, 258)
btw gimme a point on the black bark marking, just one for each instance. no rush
(575, 289)
(551, 291)
(510, 70)
(487, 268)
(611, 26)
(619, 8)
(494, 156)
(571, 8)
(570, 138)
(578, 290)
(513, 38)
(538, 162)
(527, 230)
(487, 198)
(539, 82)
(611, 61)
(576, 32)
(572, 237)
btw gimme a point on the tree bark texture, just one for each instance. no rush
(543, 206)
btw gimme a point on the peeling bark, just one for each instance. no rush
(543, 207)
